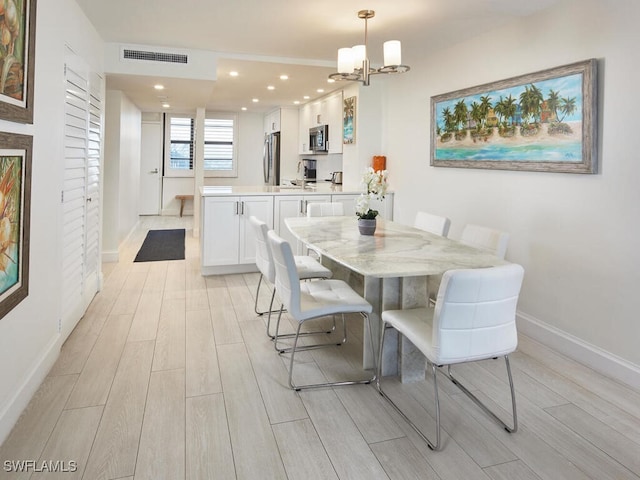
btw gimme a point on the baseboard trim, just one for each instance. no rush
(17, 404)
(573, 347)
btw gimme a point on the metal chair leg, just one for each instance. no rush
(301, 334)
(433, 446)
(297, 388)
(483, 406)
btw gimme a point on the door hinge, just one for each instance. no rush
(62, 196)
(59, 325)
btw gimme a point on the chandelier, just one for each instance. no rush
(353, 63)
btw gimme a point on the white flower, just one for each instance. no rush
(374, 185)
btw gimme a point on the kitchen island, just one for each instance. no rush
(227, 243)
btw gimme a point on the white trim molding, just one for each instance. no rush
(573, 347)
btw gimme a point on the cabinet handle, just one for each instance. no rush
(241, 208)
(318, 118)
(237, 208)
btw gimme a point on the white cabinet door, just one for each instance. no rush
(305, 123)
(272, 122)
(260, 207)
(221, 231)
(287, 206)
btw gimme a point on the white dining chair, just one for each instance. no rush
(432, 223)
(311, 300)
(306, 267)
(474, 319)
(325, 209)
(483, 238)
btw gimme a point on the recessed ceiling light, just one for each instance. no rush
(320, 90)
(331, 80)
(296, 102)
(244, 108)
(255, 100)
(166, 105)
(271, 87)
(284, 77)
(158, 87)
(306, 97)
(233, 74)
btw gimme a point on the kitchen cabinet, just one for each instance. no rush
(327, 110)
(286, 206)
(272, 122)
(226, 232)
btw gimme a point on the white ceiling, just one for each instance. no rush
(264, 39)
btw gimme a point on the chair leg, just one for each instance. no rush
(483, 406)
(316, 345)
(437, 446)
(297, 388)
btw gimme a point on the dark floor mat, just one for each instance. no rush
(162, 245)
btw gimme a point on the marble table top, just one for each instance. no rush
(395, 250)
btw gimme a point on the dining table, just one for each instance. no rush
(390, 270)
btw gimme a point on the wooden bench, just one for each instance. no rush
(182, 199)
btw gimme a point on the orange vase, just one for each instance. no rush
(379, 163)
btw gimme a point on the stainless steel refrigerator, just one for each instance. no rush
(271, 159)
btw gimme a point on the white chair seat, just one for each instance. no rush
(310, 268)
(329, 297)
(415, 324)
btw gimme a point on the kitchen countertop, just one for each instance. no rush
(321, 188)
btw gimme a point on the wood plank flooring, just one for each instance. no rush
(170, 375)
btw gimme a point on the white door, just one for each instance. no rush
(151, 168)
(81, 190)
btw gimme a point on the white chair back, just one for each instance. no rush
(287, 281)
(264, 258)
(328, 209)
(475, 314)
(485, 238)
(432, 223)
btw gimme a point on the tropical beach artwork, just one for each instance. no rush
(542, 121)
(349, 121)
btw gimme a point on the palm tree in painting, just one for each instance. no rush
(449, 121)
(460, 113)
(553, 102)
(485, 106)
(567, 106)
(499, 110)
(476, 115)
(531, 102)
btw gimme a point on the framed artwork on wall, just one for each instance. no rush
(349, 120)
(543, 121)
(15, 208)
(17, 59)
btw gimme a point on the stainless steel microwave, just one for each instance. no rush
(319, 139)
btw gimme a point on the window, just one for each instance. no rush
(181, 132)
(219, 145)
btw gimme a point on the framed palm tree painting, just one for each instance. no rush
(15, 208)
(349, 121)
(543, 121)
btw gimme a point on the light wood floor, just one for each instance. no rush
(169, 375)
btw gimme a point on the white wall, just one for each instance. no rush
(576, 235)
(29, 338)
(122, 156)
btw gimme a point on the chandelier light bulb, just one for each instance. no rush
(392, 53)
(345, 60)
(359, 55)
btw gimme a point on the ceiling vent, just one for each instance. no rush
(155, 56)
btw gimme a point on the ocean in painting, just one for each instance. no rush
(566, 152)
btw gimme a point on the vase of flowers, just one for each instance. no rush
(374, 184)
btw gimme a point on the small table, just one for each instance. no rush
(182, 199)
(390, 270)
